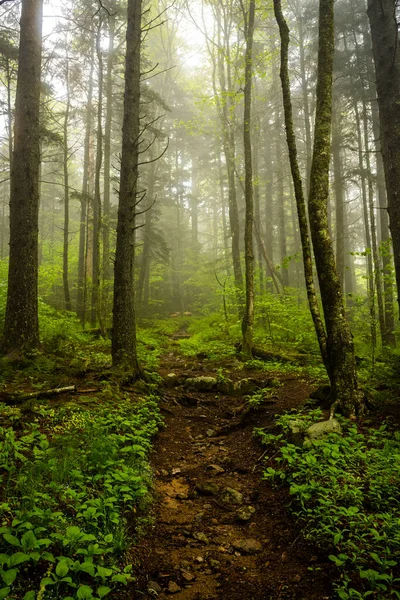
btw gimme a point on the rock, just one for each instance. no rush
(201, 384)
(201, 537)
(248, 546)
(153, 586)
(244, 386)
(320, 430)
(231, 496)
(199, 559)
(208, 488)
(173, 587)
(210, 432)
(216, 469)
(225, 387)
(171, 380)
(187, 576)
(199, 517)
(214, 564)
(176, 471)
(245, 513)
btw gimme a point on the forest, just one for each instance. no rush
(199, 299)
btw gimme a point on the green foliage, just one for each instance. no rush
(346, 490)
(69, 478)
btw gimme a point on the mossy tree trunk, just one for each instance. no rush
(124, 349)
(21, 330)
(298, 185)
(340, 348)
(248, 317)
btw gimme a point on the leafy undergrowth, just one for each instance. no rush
(72, 481)
(346, 492)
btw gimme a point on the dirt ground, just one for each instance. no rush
(207, 541)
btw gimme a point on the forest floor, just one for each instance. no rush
(197, 547)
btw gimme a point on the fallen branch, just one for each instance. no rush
(19, 398)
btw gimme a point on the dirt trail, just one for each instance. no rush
(209, 541)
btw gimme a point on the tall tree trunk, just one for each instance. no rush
(97, 193)
(339, 196)
(106, 270)
(386, 50)
(340, 348)
(67, 295)
(248, 317)
(124, 350)
(298, 185)
(81, 284)
(21, 330)
(194, 204)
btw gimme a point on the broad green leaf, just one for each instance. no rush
(103, 591)
(9, 576)
(18, 558)
(85, 592)
(62, 568)
(4, 592)
(30, 595)
(104, 572)
(11, 539)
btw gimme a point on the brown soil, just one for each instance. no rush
(173, 560)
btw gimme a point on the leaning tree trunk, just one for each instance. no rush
(21, 330)
(124, 350)
(340, 348)
(386, 50)
(298, 185)
(248, 317)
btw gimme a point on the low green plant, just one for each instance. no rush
(345, 490)
(69, 478)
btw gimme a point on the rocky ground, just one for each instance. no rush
(219, 530)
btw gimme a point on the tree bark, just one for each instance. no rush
(124, 350)
(386, 50)
(298, 185)
(248, 317)
(340, 348)
(67, 295)
(21, 330)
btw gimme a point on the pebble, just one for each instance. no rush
(201, 537)
(245, 513)
(216, 469)
(199, 517)
(208, 488)
(231, 496)
(173, 587)
(187, 576)
(247, 546)
(153, 586)
(199, 559)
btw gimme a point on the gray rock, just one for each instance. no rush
(201, 537)
(171, 380)
(245, 513)
(210, 432)
(320, 430)
(201, 384)
(216, 469)
(248, 546)
(231, 496)
(153, 586)
(208, 488)
(244, 386)
(173, 587)
(187, 576)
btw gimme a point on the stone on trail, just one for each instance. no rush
(320, 430)
(173, 587)
(245, 513)
(201, 537)
(201, 384)
(248, 546)
(153, 586)
(216, 469)
(208, 488)
(231, 496)
(187, 576)
(171, 380)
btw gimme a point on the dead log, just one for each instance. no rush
(20, 398)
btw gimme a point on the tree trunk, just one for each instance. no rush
(386, 50)
(298, 185)
(67, 295)
(21, 330)
(339, 196)
(81, 284)
(97, 193)
(248, 317)
(340, 348)
(124, 350)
